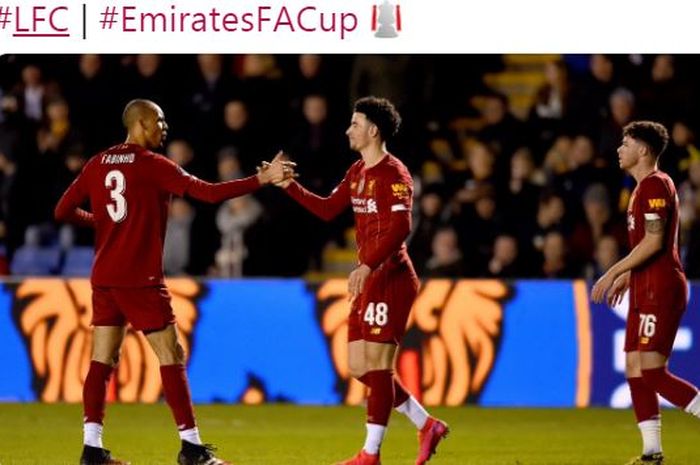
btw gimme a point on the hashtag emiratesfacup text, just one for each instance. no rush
(262, 19)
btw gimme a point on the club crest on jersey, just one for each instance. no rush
(630, 222)
(657, 203)
(370, 187)
(399, 190)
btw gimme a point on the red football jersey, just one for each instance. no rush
(129, 189)
(381, 198)
(660, 278)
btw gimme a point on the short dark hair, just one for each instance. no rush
(382, 113)
(653, 134)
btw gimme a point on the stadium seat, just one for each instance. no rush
(78, 261)
(32, 260)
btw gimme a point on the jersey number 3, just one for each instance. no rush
(115, 182)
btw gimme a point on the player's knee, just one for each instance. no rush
(378, 360)
(356, 368)
(106, 358)
(633, 368)
(171, 355)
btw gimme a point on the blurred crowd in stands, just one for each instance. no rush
(514, 157)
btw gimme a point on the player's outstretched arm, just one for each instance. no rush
(325, 208)
(218, 192)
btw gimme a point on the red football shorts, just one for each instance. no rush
(380, 313)
(652, 328)
(145, 308)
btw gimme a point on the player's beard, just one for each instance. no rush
(161, 141)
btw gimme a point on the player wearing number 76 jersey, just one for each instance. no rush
(129, 189)
(383, 287)
(658, 291)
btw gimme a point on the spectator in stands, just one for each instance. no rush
(176, 249)
(607, 253)
(233, 219)
(240, 134)
(664, 97)
(555, 260)
(551, 213)
(428, 220)
(547, 116)
(446, 260)
(180, 151)
(93, 98)
(590, 94)
(502, 131)
(519, 200)
(505, 261)
(478, 225)
(622, 111)
(33, 93)
(598, 222)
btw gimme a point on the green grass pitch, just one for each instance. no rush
(36, 434)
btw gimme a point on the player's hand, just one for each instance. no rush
(618, 289)
(278, 170)
(356, 281)
(290, 173)
(601, 287)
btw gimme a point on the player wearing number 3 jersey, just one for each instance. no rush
(383, 287)
(658, 291)
(129, 190)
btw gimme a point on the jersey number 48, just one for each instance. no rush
(377, 314)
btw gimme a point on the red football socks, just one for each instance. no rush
(177, 395)
(644, 400)
(400, 394)
(95, 392)
(381, 396)
(676, 390)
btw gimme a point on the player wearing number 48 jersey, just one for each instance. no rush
(658, 291)
(129, 190)
(383, 287)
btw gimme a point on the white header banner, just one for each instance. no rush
(357, 26)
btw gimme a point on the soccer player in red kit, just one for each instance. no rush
(384, 285)
(653, 274)
(129, 188)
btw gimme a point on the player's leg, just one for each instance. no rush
(177, 394)
(644, 400)
(646, 406)
(149, 310)
(657, 332)
(175, 386)
(676, 390)
(431, 430)
(106, 342)
(401, 294)
(108, 334)
(371, 363)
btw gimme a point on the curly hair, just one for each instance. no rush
(382, 113)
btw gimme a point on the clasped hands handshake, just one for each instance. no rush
(280, 171)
